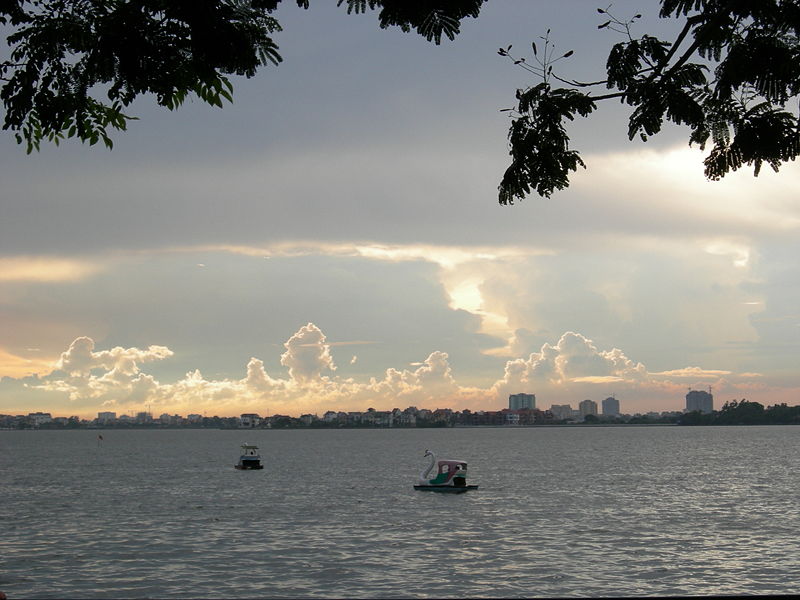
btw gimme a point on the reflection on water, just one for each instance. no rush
(599, 511)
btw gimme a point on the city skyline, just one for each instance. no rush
(332, 238)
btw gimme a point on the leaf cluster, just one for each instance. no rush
(755, 46)
(728, 76)
(76, 64)
(67, 54)
(429, 18)
(541, 157)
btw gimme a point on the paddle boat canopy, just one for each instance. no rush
(250, 458)
(451, 476)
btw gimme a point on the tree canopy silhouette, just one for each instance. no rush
(65, 55)
(730, 76)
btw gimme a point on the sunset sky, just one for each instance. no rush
(332, 240)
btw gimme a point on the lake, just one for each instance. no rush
(561, 511)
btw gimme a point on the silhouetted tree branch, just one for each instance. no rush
(729, 75)
(735, 99)
(75, 65)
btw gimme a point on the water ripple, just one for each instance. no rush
(561, 512)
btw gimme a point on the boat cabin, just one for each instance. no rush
(450, 476)
(250, 458)
(452, 472)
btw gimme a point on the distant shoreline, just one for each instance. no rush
(356, 428)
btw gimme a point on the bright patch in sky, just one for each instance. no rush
(45, 268)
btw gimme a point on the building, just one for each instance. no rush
(524, 416)
(587, 407)
(562, 412)
(307, 419)
(698, 400)
(39, 418)
(169, 420)
(144, 417)
(408, 417)
(517, 401)
(106, 417)
(249, 420)
(611, 407)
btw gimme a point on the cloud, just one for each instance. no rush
(565, 372)
(444, 255)
(432, 379)
(739, 252)
(45, 268)
(307, 355)
(113, 378)
(574, 358)
(680, 201)
(634, 292)
(80, 359)
(14, 366)
(693, 372)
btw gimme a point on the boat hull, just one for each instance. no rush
(248, 467)
(446, 489)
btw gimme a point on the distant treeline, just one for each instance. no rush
(743, 412)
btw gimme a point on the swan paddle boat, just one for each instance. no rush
(250, 458)
(451, 476)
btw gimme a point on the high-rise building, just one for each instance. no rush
(611, 407)
(699, 400)
(517, 401)
(587, 407)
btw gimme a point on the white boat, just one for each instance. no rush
(250, 458)
(451, 476)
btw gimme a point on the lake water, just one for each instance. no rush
(569, 511)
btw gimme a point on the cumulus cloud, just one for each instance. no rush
(80, 359)
(565, 372)
(113, 378)
(432, 378)
(574, 359)
(307, 355)
(106, 375)
(257, 378)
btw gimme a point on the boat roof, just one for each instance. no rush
(249, 446)
(451, 461)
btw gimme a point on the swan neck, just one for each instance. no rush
(425, 473)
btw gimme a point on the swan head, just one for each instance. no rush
(428, 453)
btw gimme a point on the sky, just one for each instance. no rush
(332, 240)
